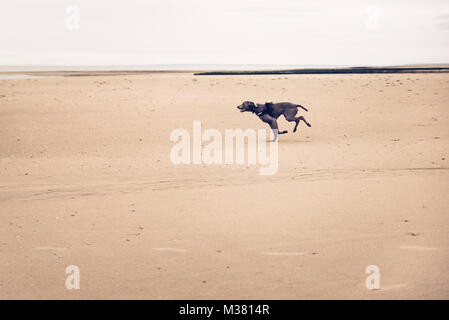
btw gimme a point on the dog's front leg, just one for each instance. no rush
(275, 135)
(273, 125)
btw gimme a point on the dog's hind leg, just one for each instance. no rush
(303, 119)
(290, 115)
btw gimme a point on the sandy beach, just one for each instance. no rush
(86, 180)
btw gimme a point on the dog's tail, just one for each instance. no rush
(302, 107)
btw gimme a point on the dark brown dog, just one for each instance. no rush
(269, 112)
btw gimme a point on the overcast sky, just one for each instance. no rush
(135, 32)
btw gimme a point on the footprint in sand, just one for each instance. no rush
(417, 248)
(170, 249)
(285, 253)
(50, 248)
(394, 286)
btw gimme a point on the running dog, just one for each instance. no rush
(269, 112)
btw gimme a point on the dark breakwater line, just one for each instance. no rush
(355, 70)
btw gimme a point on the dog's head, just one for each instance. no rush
(247, 106)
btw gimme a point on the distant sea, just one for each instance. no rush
(163, 67)
(28, 72)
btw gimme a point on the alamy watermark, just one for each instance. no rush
(72, 20)
(73, 279)
(372, 282)
(372, 20)
(189, 149)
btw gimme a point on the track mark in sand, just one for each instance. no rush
(87, 189)
(170, 249)
(394, 286)
(50, 248)
(284, 253)
(417, 248)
